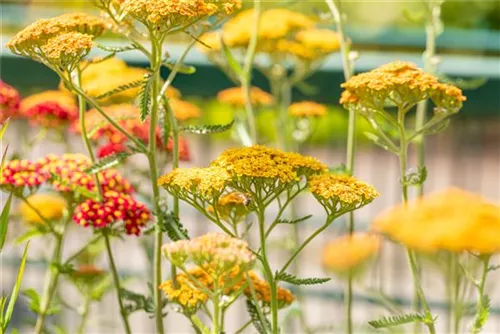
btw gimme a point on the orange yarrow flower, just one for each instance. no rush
(307, 109)
(9, 101)
(235, 97)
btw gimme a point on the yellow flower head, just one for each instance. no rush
(235, 97)
(349, 252)
(183, 110)
(210, 42)
(50, 206)
(188, 294)
(29, 40)
(450, 220)
(232, 207)
(167, 14)
(220, 252)
(205, 182)
(67, 49)
(320, 40)
(341, 193)
(263, 290)
(307, 109)
(399, 82)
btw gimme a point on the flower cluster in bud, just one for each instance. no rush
(235, 97)
(450, 220)
(167, 15)
(219, 252)
(50, 109)
(9, 101)
(60, 41)
(399, 83)
(348, 254)
(113, 208)
(341, 193)
(307, 109)
(127, 116)
(50, 206)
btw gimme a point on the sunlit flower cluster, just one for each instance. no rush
(307, 109)
(59, 41)
(114, 207)
(235, 97)
(205, 182)
(9, 101)
(165, 15)
(399, 82)
(50, 206)
(127, 116)
(349, 252)
(281, 32)
(232, 207)
(338, 193)
(450, 220)
(50, 109)
(219, 252)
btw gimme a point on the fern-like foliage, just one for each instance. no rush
(122, 88)
(144, 97)
(482, 315)
(135, 302)
(206, 129)
(260, 326)
(294, 221)
(285, 277)
(108, 162)
(116, 49)
(398, 320)
(172, 225)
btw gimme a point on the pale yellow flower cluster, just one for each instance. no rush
(349, 252)
(50, 206)
(399, 82)
(451, 220)
(281, 31)
(235, 97)
(341, 192)
(61, 41)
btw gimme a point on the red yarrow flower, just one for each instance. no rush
(110, 149)
(21, 173)
(9, 101)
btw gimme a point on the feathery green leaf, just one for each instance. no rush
(398, 320)
(254, 316)
(107, 162)
(294, 221)
(122, 88)
(285, 277)
(116, 49)
(144, 94)
(205, 129)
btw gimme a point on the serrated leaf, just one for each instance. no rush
(482, 314)
(231, 61)
(108, 162)
(285, 277)
(134, 302)
(398, 320)
(183, 69)
(116, 49)
(415, 178)
(15, 291)
(4, 221)
(294, 221)
(120, 89)
(206, 129)
(256, 321)
(172, 225)
(144, 98)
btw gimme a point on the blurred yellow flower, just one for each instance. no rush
(450, 220)
(50, 206)
(349, 252)
(183, 110)
(234, 96)
(307, 109)
(321, 40)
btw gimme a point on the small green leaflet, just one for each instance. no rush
(294, 221)
(108, 162)
(144, 98)
(183, 69)
(206, 129)
(398, 320)
(285, 277)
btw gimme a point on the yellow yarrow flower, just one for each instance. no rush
(50, 206)
(349, 252)
(320, 40)
(66, 50)
(307, 109)
(234, 96)
(451, 220)
(232, 207)
(183, 110)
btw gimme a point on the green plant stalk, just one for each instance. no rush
(246, 77)
(51, 279)
(116, 282)
(216, 316)
(153, 171)
(84, 315)
(347, 66)
(412, 257)
(480, 290)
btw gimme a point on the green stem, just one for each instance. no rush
(84, 315)
(216, 315)
(50, 286)
(116, 282)
(478, 324)
(348, 68)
